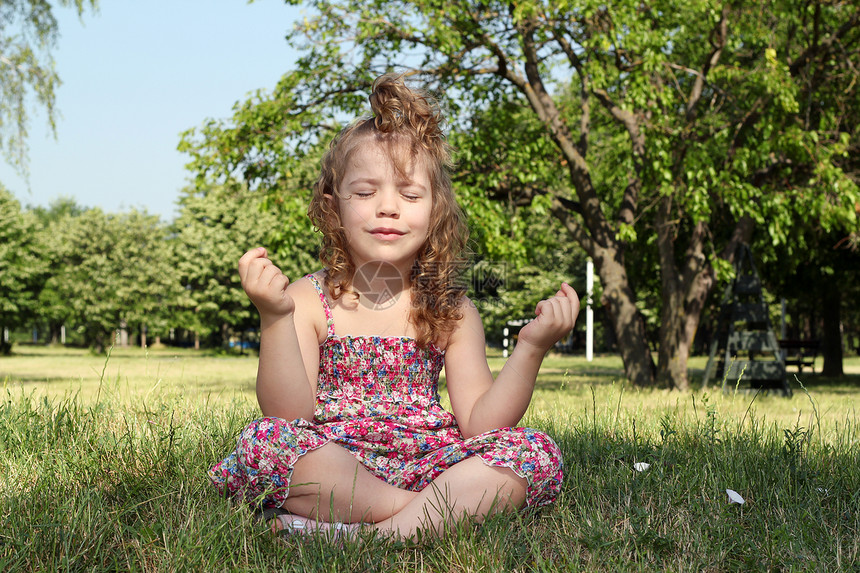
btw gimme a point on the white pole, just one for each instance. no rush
(505, 332)
(589, 313)
(63, 334)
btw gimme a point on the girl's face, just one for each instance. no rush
(386, 216)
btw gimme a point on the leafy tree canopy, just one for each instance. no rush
(216, 225)
(664, 132)
(28, 34)
(110, 269)
(20, 265)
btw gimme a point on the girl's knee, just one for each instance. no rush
(270, 428)
(267, 443)
(531, 454)
(539, 450)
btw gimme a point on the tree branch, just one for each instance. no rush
(568, 50)
(629, 203)
(626, 118)
(584, 105)
(824, 47)
(503, 70)
(718, 39)
(546, 109)
(562, 209)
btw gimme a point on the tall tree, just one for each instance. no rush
(702, 99)
(28, 35)
(216, 224)
(506, 169)
(829, 293)
(20, 266)
(53, 308)
(112, 270)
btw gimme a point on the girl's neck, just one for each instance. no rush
(380, 282)
(378, 303)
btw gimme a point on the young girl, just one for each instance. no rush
(354, 433)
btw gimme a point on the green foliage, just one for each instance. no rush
(214, 228)
(28, 34)
(93, 273)
(659, 127)
(53, 306)
(107, 270)
(21, 265)
(506, 172)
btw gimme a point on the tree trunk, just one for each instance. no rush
(627, 322)
(674, 347)
(5, 344)
(98, 342)
(831, 316)
(684, 294)
(123, 334)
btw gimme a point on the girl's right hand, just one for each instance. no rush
(265, 284)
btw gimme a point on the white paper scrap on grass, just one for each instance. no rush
(641, 466)
(735, 497)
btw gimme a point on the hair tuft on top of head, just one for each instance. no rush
(398, 108)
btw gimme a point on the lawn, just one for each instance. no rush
(103, 460)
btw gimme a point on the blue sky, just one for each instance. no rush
(135, 75)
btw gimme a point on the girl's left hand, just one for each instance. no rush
(554, 318)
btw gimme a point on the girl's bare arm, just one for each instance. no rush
(481, 404)
(289, 350)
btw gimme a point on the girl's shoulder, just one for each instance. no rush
(309, 306)
(304, 287)
(469, 323)
(468, 309)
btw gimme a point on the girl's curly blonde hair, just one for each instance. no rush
(408, 126)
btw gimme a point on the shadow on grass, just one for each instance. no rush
(845, 384)
(42, 351)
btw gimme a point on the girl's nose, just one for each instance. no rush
(387, 206)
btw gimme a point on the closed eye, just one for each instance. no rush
(412, 192)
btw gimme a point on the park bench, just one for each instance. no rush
(800, 353)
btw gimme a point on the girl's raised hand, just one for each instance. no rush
(554, 318)
(265, 284)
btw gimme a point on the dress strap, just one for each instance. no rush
(329, 317)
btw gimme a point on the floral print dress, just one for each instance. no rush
(377, 398)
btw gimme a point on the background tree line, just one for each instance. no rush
(68, 268)
(653, 138)
(95, 273)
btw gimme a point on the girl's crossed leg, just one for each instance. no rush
(329, 484)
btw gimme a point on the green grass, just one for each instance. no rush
(102, 467)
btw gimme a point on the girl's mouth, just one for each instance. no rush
(387, 233)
